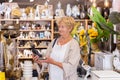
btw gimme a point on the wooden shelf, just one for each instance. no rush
(25, 58)
(40, 30)
(25, 19)
(30, 47)
(56, 32)
(34, 39)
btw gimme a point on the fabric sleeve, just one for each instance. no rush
(72, 60)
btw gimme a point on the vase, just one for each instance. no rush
(94, 47)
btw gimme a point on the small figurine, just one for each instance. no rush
(47, 34)
(27, 53)
(31, 15)
(37, 13)
(116, 63)
(20, 54)
(7, 13)
(116, 59)
(21, 35)
(31, 35)
(68, 10)
(2, 7)
(75, 11)
(45, 12)
(59, 12)
(24, 15)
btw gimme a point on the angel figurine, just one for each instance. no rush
(68, 10)
(37, 13)
(7, 12)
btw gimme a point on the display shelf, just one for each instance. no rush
(34, 39)
(56, 32)
(30, 47)
(34, 31)
(39, 30)
(9, 19)
(26, 19)
(26, 58)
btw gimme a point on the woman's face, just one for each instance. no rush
(64, 30)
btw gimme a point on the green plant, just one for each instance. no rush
(103, 26)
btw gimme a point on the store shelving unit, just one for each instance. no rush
(37, 33)
(53, 28)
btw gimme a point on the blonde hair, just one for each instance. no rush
(68, 21)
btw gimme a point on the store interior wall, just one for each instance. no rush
(26, 3)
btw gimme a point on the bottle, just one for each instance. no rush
(83, 14)
(106, 12)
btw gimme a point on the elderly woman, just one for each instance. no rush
(64, 56)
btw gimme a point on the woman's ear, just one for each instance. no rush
(70, 29)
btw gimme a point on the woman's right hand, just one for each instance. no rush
(36, 59)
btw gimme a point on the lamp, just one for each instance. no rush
(94, 3)
(10, 0)
(91, 1)
(106, 3)
(31, 0)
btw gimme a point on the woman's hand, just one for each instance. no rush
(36, 59)
(48, 60)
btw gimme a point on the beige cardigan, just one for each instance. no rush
(71, 60)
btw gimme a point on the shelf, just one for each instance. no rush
(56, 32)
(26, 58)
(33, 39)
(25, 19)
(30, 47)
(40, 30)
(79, 20)
(118, 42)
(9, 19)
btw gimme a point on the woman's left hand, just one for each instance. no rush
(48, 60)
(52, 61)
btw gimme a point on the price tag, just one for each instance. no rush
(2, 75)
